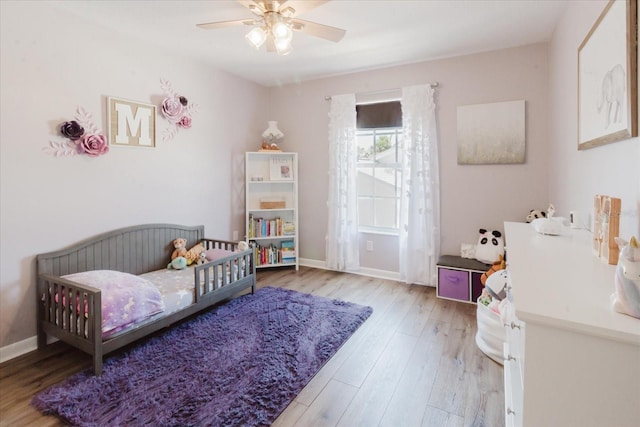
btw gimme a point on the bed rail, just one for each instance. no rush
(69, 310)
(214, 275)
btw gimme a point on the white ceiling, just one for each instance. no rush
(378, 33)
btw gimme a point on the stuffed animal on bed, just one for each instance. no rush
(490, 246)
(193, 254)
(203, 258)
(180, 246)
(179, 263)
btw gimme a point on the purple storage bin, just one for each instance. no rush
(476, 286)
(453, 284)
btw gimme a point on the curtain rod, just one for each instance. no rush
(434, 84)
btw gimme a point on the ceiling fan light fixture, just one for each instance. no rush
(275, 22)
(281, 31)
(283, 46)
(256, 37)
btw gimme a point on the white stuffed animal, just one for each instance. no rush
(203, 258)
(496, 285)
(626, 298)
(490, 246)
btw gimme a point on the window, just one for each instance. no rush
(379, 167)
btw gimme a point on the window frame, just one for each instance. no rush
(395, 132)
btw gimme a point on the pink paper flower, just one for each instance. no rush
(172, 109)
(184, 122)
(94, 145)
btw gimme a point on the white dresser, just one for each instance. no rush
(570, 359)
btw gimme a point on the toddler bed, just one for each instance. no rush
(128, 269)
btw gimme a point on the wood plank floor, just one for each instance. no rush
(414, 362)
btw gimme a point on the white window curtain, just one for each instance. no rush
(342, 239)
(420, 196)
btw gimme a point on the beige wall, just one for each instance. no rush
(51, 64)
(576, 176)
(472, 196)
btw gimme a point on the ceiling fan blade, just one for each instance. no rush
(222, 24)
(318, 30)
(302, 6)
(256, 7)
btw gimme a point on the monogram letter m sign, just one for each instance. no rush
(131, 123)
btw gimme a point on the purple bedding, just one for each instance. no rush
(126, 298)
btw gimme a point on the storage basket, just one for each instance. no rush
(272, 204)
(490, 337)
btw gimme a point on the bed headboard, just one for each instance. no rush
(136, 250)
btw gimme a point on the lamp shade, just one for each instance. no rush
(283, 46)
(280, 30)
(272, 132)
(256, 37)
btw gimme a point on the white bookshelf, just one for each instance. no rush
(271, 214)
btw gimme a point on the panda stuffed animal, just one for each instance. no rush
(535, 214)
(490, 246)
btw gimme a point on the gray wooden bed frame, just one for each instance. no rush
(136, 250)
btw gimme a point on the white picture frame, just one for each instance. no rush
(281, 168)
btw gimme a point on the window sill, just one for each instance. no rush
(380, 232)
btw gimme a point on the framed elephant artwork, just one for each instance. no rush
(608, 77)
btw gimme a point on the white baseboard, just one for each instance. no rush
(369, 272)
(18, 349)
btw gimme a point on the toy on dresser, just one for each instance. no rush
(547, 224)
(626, 298)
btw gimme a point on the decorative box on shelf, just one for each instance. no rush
(459, 278)
(272, 204)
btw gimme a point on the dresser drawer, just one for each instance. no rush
(453, 284)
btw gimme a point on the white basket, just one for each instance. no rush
(491, 335)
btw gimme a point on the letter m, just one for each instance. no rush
(130, 125)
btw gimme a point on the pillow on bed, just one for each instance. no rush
(216, 254)
(126, 298)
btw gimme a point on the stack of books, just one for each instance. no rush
(272, 255)
(288, 229)
(263, 227)
(288, 252)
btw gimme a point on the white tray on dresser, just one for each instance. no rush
(582, 358)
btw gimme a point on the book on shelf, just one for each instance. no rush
(288, 228)
(264, 227)
(273, 255)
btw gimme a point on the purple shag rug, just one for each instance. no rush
(237, 365)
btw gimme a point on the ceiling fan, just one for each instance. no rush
(275, 22)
